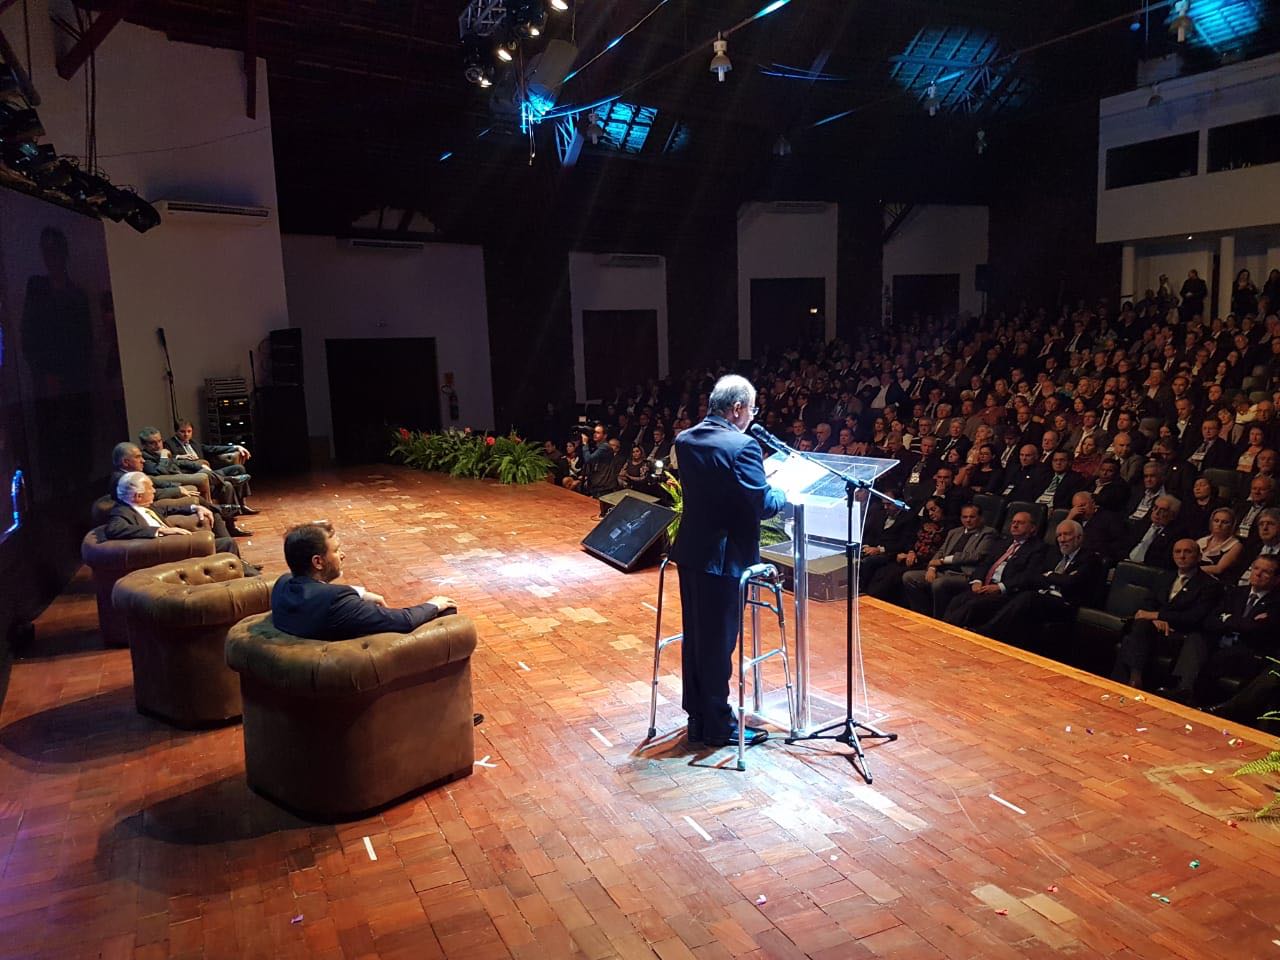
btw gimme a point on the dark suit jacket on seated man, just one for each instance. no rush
(726, 496)
(137, 516)
(1168, 620)
(1013, 564)
(309, 604)
(1069, 581)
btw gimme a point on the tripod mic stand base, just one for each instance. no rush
(846, 731)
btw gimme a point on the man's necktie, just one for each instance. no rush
(1179, 582)
(1004, 558)
(1251, 603)
(153, 515)
(1062, 565)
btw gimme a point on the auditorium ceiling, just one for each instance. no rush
(370, 106)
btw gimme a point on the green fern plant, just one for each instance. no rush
(474, 459)
(519, 462)
(1270, 764)
(462, 454)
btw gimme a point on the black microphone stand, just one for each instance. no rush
(168, 372)
(848, 730)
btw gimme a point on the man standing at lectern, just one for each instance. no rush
(726, 496)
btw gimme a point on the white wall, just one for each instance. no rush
(338, 292)
(215, 290)
(1225, 201)
(596, 285)
(785, 240)
(1174, 259)
(940, 239)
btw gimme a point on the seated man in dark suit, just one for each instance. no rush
(137, 516)
(1024, 480)
(1241, 633)
(1074, 580)
(1013, 564)
(1109, 490)
(224, 459)
(1104, 531)
(1151, 542)
(307, 603)
(126, 457)
(1168, 620)
(889, 531)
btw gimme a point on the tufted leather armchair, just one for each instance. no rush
(177, 616)
(112, 559)
(334, 729)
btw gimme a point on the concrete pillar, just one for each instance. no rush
(1226, 272)
(1128, 261)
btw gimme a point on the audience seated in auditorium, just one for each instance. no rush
(1154, 401)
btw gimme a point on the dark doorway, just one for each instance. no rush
(620, 348)
(786, 312)
(378, 385)
(926, 294)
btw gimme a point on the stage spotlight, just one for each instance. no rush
(143, 216)
(55, 176)
(559, 6)
(29, 159)
(505, 43)
(1182, 23)
(1135, 25)
(529, 16)
(931, 101)
(475, 58)
(18, 123)
(720, 63)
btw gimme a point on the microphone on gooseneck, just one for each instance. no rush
(160, 334)
(763, 435)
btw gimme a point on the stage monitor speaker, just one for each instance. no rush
(285, 356)
(280, 431)
(982, 278)
(630, 533)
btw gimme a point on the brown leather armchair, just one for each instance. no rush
(335, 729)
(177, 617)
(112, 559)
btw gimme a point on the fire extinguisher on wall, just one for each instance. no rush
(452, 396)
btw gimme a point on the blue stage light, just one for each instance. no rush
(770, 8)
(1224, 25)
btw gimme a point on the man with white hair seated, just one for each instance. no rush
(137, 516)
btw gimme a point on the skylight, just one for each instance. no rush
(960, 62)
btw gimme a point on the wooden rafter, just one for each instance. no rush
(74, 59)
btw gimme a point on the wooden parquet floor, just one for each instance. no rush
(120, 837)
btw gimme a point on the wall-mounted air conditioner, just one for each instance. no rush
(646, 261)
(374, 243)
(197, 212)
(804, 207)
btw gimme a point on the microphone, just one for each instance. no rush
(760, 433)
(160, 334)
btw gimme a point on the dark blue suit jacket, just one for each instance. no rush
(726, 496)
(305, 607)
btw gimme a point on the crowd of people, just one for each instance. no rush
(1037, 451)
